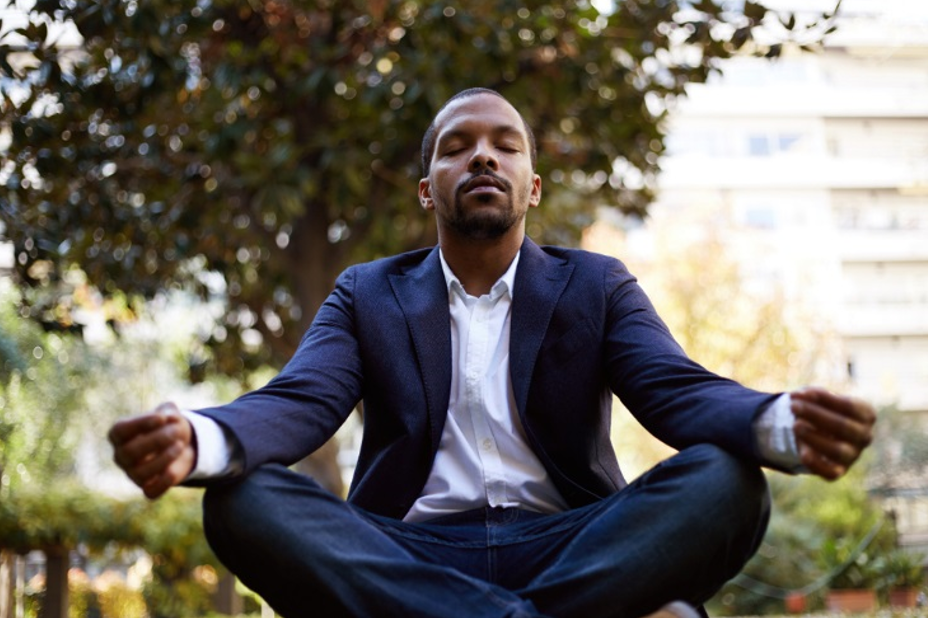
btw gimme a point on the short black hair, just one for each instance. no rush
(428, 140)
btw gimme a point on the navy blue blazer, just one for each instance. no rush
(582, 329)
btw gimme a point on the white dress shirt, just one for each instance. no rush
(483, 458)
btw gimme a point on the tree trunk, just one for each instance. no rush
(56, 583)
(314, 262)
(7, 566)
(314, 265)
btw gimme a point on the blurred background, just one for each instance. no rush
(180, 182)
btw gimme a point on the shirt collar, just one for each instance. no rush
(506, 283)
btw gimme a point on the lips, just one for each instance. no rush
(484, 183)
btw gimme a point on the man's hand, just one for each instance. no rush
(156, 449)
(831, 430)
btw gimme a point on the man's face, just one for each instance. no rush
(481, 181)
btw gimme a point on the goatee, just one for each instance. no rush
(486, 224)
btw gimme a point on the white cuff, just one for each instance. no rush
(776, 438)
(215, 448)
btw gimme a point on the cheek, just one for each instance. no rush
(443, 181)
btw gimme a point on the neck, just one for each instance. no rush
(479, 264)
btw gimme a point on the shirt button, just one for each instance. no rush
(487, 444)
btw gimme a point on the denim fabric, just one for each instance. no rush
(678, 532)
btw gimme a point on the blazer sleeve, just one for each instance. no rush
(673, 397)
(306, 403)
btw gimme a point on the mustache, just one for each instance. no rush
(464, 185)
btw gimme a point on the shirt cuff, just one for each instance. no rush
(776, 438)
(216, 448)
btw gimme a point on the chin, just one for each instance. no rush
(483, 227)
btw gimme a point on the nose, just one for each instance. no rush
(483, 157)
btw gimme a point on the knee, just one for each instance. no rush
(236, 496)
(247, 504)
(731, 482)
(735, 507)
(227, 506)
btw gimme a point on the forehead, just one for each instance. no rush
(478, 111)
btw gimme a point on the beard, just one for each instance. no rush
(485, 223)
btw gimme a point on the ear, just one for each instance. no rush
(425, 194)
(535, 197)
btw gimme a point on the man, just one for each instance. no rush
(486, 483)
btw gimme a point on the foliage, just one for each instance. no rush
(169, 530)
(41, 404)
(855, 571)
(115, 600)
(167, 598)
(58, 392)
(819, 537)
(59, 516)
(104, 597)
(120, 601)
(249, 151)
(901, 568)
(69, 514)
(82, 600)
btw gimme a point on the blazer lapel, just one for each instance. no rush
(540, 281)
(422, 294)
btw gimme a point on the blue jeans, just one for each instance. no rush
(680, 531)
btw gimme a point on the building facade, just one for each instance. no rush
(815, 168)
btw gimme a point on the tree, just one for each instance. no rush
(250, 150)
(41, 416)
(52, 502)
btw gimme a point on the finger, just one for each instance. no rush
(819, 465)
(145, 446)
(145, 471)
(174, 473)
(167, 409)
(833, 422)
(851, 407)
(156, 488)
(126, 429)
(167, 469)
(833, 449)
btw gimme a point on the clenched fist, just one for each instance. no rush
(831, 430)
(156, 450)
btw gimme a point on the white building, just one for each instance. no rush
(819, 162)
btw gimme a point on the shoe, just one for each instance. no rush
(677, 609)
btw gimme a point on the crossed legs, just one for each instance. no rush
(678, 532)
